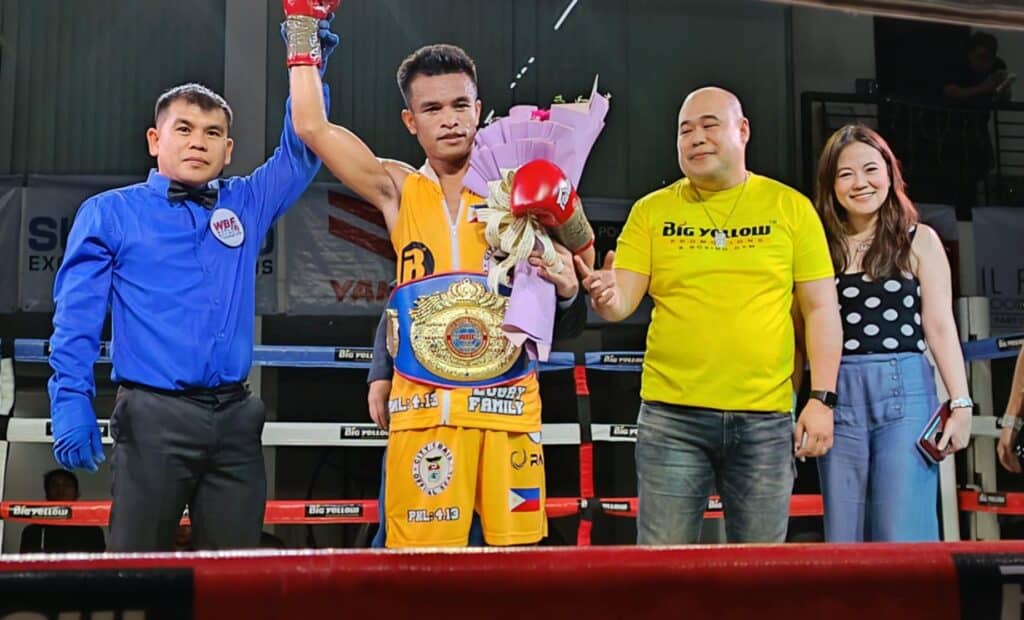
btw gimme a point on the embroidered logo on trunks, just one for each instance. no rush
(447, 513)
(505, 400)
(226, 226)
(432, 468)
(519, 459)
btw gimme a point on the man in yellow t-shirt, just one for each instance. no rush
(721, 253)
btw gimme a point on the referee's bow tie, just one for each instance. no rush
(205, 196)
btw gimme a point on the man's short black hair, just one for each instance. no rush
(437, 59)
(985, 40)
(193, 93)
(53, 474)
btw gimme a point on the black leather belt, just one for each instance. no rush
(218, 396)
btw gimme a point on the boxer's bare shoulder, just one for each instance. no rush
(399, 172)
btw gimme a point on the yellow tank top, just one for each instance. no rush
(427, 242)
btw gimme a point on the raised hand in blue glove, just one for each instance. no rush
(76, 440)
(328, 41)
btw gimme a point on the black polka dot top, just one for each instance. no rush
(880, 316)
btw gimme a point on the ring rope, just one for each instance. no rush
(335, 511)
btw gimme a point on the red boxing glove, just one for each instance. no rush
(301, 20)
(541, 189)
(318, 9)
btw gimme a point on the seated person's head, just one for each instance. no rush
(270, 541)
(183, 537)
(981, 52)
(60, 486)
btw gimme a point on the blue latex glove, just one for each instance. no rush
(76, 440)
(328, 40)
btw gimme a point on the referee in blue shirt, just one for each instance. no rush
(175, 259)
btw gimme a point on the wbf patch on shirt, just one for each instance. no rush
(524, 500)
(226, 226)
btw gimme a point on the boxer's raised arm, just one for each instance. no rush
(344, 154)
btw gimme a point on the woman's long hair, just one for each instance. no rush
(889, 254)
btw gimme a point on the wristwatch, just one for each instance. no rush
(963, 402)
(829, 398)
(1010, 421)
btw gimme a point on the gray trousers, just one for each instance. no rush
(201, 450)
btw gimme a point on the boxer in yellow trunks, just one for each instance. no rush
(451, 451)
(453, 448)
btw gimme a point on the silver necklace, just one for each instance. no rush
(862, 245)
(719, 234)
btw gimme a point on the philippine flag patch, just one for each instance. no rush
(524, 500)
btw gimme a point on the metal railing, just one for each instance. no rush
(919, 129)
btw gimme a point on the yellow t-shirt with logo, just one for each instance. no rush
(427, 243)
(721, 333)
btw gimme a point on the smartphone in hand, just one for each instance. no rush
(928, 442)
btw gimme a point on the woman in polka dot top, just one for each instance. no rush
(895, 297)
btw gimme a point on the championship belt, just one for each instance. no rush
(446, 330)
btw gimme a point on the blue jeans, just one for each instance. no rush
(876, 484)
(682, 453)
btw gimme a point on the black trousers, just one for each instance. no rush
(200, 449)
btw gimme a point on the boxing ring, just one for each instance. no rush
(935, 581)
(941, 580)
